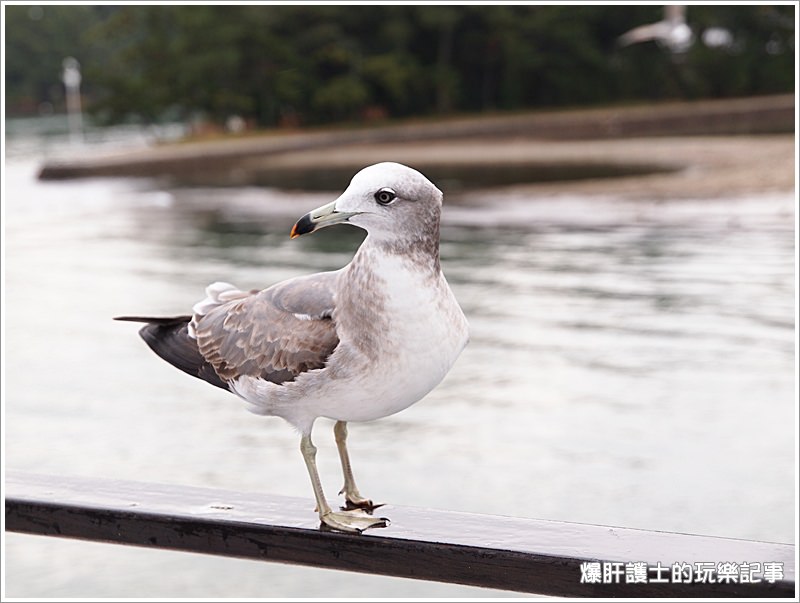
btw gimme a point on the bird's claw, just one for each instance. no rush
(361, 503)
(354, 500)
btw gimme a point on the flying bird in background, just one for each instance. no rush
(671, 33)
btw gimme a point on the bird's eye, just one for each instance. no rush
(385, 196)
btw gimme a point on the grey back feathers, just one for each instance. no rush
(275, 334)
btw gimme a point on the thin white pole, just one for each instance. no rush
(71, 77)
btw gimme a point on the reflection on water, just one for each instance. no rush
(630, 364)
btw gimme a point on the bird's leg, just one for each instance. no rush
(345, 521)
(352, 496)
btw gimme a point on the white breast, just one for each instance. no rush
(424, 336)
(416, 347)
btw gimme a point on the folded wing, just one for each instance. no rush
(275, 334)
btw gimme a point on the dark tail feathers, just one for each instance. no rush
(169, 338)
(156, 320)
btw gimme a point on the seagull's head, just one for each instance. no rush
(388, 200)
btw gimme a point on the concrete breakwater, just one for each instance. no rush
(703, 147)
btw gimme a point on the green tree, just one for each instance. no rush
(305, 64)
(37, 40)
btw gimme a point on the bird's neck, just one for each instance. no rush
(418, 249)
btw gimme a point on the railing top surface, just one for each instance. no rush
(555, 541)
(558, 538)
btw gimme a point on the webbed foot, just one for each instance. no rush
(353, 521)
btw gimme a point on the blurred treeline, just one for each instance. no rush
(291, 65)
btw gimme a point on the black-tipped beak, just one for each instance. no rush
(303, 226)
(320, 218)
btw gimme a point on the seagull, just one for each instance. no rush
(718, 37)
(355, 344)
(672, 32)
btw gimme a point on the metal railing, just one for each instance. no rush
(516, 554)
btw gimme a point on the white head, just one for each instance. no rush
(389, 200)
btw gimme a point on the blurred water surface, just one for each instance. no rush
(631, 364)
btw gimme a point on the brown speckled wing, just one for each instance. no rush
(274, 334)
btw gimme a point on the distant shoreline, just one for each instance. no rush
(698, 148)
